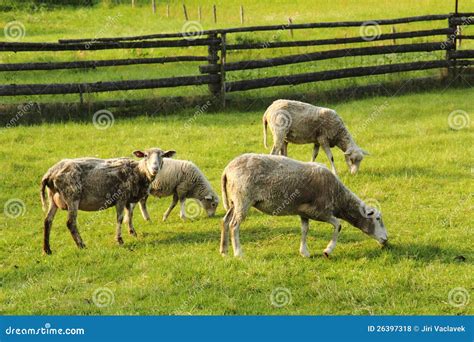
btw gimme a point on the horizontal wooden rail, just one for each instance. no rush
(95, 45)
(462, 36)
(337, 74)
(388, 36)
(96, 64)
(268, 28)
(462, 54)
(314, 56)
(462, 21)
(71, 88)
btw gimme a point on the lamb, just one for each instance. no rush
(92, 184)
(302, 123)
(182, 179)
(278, 185)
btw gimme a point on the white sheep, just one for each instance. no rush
(278, 185)
(181, 179)
(302, 123)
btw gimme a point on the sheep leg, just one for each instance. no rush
(315, 152)
(239, 215)
(144, 209)
(328, 152)
(278, 142)
(304, 233)
(171, 207)
(284, 149)
(72, 223)
(48, 221)
(337, 229)
(225, 232)
(119, 207)
(182, 203)
(129, 218)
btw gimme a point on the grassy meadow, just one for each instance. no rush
(419, 173)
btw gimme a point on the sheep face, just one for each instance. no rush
(153, 159)
(373, 225)
(210, 203)
(354, 158)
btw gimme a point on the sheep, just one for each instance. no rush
(182, 179)
(92, 184)
(277, 185)
(302, 123)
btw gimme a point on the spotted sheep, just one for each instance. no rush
(92, 184)
(181, 179)
(265, 181)
(302, 123)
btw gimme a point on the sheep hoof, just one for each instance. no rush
(47, 251)
(305, 254)
(164, 218)
(120, 241)
(326, 255)
(133, 233)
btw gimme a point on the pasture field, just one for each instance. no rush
(420, 173)
(43, 24)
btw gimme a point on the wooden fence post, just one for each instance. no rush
(290, 22)
(199, 13)
(185, 12)
(214, 10)
(452, 70)
(242, 19)
(223, 60)
(213, 58)
(394, 30)
(153, 6)
(167, 10)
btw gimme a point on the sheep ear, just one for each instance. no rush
(208, 197)
(364, 152)
(369, 211)
(139, 154)
(169, 154)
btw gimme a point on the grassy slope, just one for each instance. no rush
(70, 23)
(420, 172)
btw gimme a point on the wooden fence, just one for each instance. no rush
(217, 66)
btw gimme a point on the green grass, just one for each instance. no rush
(108, 21)
(420, 172)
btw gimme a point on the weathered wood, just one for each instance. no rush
(71, 88)
(214, 11)
(335, 74)
(266, 28)
(315, 56)
(199, 13)
(464, 36)
(337, 41)
(242, 18)
(461, 54)
(462, 21)
(185, 11)
(213, 58)
(94, 45)
(222, 71)
(96, 64)
(153, 6)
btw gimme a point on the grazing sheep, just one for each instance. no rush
(182, 179)
(277, 185)
(92, 184)
(302, 123)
